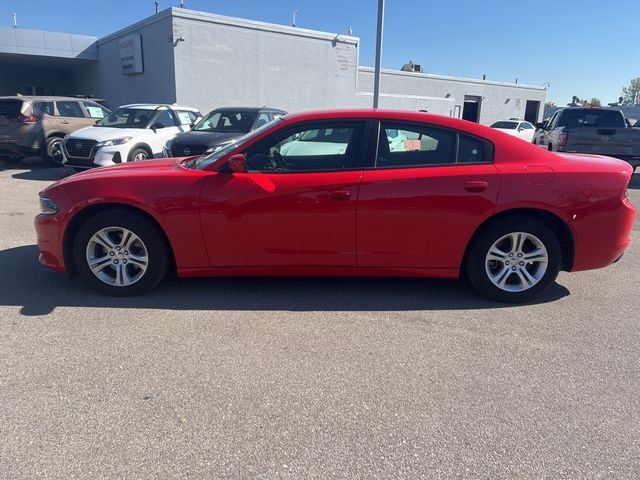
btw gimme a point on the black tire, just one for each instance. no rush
(11, 160)
(155, 247)
(139, 152)
(478, 266)
(53, 151)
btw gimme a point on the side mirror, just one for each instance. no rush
(97, 121)
(237, 163)
(541, 125)
(157, 126)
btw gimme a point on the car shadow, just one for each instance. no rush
(39, 291)
(34, 168)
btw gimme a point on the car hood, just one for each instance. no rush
(101, 134)
(208, 139)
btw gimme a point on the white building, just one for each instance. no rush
(208, 61)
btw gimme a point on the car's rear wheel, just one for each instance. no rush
(53, 151)
(121, 253)
(514, 259)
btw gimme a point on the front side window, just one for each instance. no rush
(226, 121)
(526, 126)
(404, 146)
(165, 118)
(320, 147)
(69, 109)
(127, 118)
(263, 119)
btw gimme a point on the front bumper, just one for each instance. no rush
(99, 157)
(48, 233)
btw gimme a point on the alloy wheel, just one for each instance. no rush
(117, 256)
(516, 262)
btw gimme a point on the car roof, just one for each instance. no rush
(47, 98)
(155, 106)
(248, 109)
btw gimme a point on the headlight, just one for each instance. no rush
(215, 148)
(115, 141)
(48, 206)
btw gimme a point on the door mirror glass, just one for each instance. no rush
(237, 163)
(157, 126)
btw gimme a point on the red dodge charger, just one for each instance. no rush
(375, 193)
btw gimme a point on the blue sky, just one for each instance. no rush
(588, 48)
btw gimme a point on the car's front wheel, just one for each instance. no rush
(514, 259)
(138, 154)
(121, 253)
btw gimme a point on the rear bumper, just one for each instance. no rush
(602, 238)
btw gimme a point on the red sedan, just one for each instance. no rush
(360, 193)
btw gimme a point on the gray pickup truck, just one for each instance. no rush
(599, 131)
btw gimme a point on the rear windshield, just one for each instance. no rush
(10, 108)
(505, 125)
(592, 118)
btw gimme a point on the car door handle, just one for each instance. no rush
(476, 186)
(340, 195)
(64, 122)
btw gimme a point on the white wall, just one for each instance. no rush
(157, 83)
(233, 62)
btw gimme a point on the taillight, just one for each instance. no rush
(562, 139)
(23, 118)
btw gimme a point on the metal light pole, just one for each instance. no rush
(376, 79)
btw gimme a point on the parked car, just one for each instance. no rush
(591, 130)
(129, 133)
(36, 125)
(456, 198)
(219, 128)
(517, 128)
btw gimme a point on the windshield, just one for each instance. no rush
(200, 163)
(226, 121)
(127, 118)
(505, 125)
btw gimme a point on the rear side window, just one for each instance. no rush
(410, 145)
(401, 146)
(40, 108)
(473, 150)
(69, 109)
(10, 108)
(526, 126)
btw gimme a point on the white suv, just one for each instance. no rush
(129, 133)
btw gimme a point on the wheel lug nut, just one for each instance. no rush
(521, 264)
(126, 253)
(116, 262)
(513, 268)
(117, 248)
(506, 263)
(112, 253)
(511, 254)
(519, 255)
(124, 261)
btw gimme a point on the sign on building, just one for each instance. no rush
(131, 55)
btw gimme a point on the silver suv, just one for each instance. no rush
(37, 125)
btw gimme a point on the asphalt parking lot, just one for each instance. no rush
(311, 378)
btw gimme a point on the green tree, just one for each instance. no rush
(631, 93)
(595, 102)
